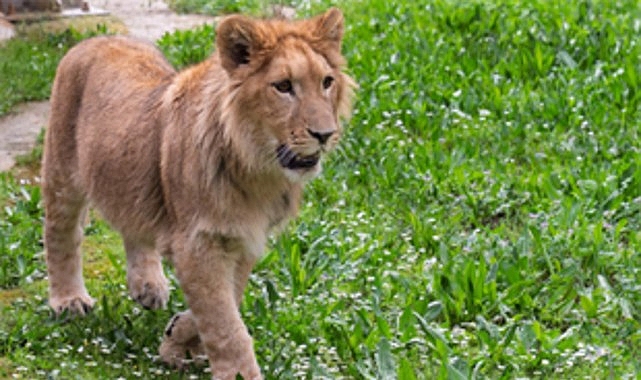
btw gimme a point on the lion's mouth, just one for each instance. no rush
(290, 160)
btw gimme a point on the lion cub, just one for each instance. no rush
(198, 166)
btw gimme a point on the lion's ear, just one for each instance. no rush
(329, 26)
(238, 38)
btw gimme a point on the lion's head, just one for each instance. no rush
(287, 91)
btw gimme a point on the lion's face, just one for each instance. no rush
(300, 101)
(293, 84)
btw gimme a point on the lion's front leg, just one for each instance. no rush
(212, 276)
(181, 336)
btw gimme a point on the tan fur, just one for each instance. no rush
(199, 166)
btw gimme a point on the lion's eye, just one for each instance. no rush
(284, 86)
(327, 82)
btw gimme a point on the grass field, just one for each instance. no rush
(482, 218)
(28, 62)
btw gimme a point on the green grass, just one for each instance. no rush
(211, 7)
(480, 220)
(28, 62)
(28, 69)
(217, 7)
(20, 232)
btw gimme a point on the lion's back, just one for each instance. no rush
(104, 132)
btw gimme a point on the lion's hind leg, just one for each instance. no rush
(181, 338)
(65, 212)
(145, 276)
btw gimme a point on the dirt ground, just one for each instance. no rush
(148, 19)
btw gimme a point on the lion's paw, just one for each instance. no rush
(175, 354)
(150, 294)
(73, 305)
(180, 339)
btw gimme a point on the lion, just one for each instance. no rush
(198, 166)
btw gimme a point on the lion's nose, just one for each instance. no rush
(321, 136)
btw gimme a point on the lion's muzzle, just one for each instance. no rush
(290, 160)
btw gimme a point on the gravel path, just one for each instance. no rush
(148, 19)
